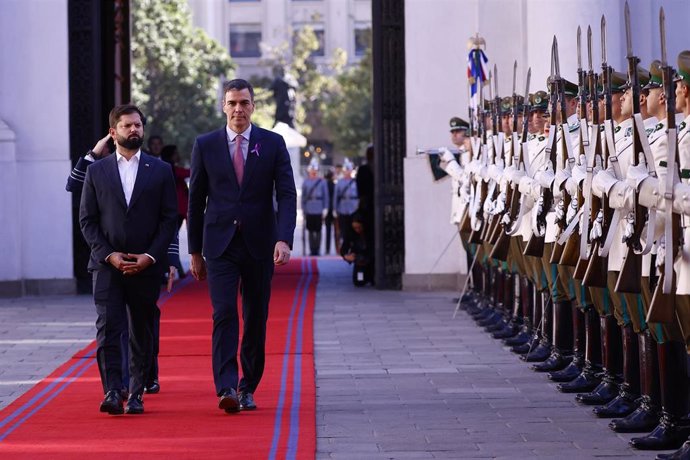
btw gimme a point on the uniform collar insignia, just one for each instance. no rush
(681, 126)
(618, 128)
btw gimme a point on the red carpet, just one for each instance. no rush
(59, 417)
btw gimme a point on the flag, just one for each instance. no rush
(476, 74)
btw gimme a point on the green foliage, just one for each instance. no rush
(176, 72)
(331, 98)
(349, 113)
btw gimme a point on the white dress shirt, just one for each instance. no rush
(128, 173)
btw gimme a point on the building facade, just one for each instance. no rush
(247, 27)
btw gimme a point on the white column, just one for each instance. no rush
(34, 104)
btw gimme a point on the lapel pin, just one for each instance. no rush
(146, 164)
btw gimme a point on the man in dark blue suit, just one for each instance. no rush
(128, 215)
(233, 225)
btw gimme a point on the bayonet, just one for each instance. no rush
(589, 48)
(515, 77)
(628, 31)
(602, 31)
(662, 30)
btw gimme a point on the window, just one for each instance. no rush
(362, 39)
(245, 40)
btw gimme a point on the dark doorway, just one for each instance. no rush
(99, 78)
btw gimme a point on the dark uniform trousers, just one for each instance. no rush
(116, 297)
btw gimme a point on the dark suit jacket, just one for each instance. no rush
(147, 225)
(218, 204)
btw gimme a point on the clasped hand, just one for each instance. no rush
(130, 264)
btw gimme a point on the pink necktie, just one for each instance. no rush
(238, 160)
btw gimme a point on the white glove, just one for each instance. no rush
(495, 172)
(500, 204)
(636, 174)
(561, 176)
(446, 155)
(603, 182)
(579, 172)
(560, 210)
(545, 178)
(571, 187)
(525, 185)
(324, 213)
(597, 227)
(335, 214)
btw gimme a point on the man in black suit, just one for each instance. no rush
(128, 215)
(232, 222)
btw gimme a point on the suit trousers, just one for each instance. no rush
(124, 303)
(235, 270)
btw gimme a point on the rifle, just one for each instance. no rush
(475, 216)
(631, 273)
(535, 245)
(500, 249)
(557, 252)
(589, 245)
(572, 248)
(498, 143)
(662, 308)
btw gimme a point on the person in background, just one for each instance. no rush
(155, 145)
(314, 205)
(171, 155)
(357, 251)
(345, 202)
(329, 219)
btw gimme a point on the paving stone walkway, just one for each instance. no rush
(397, 378)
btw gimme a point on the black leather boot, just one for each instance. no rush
(543, 350)
(626, 401)
(671, 432)
(641, 420)
(575, 367)
(612, 352)
(587, 380)
(562, 339)
(648, 413)
(681, 454)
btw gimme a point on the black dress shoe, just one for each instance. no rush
(668, 434)
(583, 383)
(228, 402)
(621, 406)
(538, 354)
(568, 374)
(555, 362)
(681, 454)
(112, 403)
(643, 420)
(152, 388)
(247, 401)
(135, 404)
(521, 338)
(602, 394)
